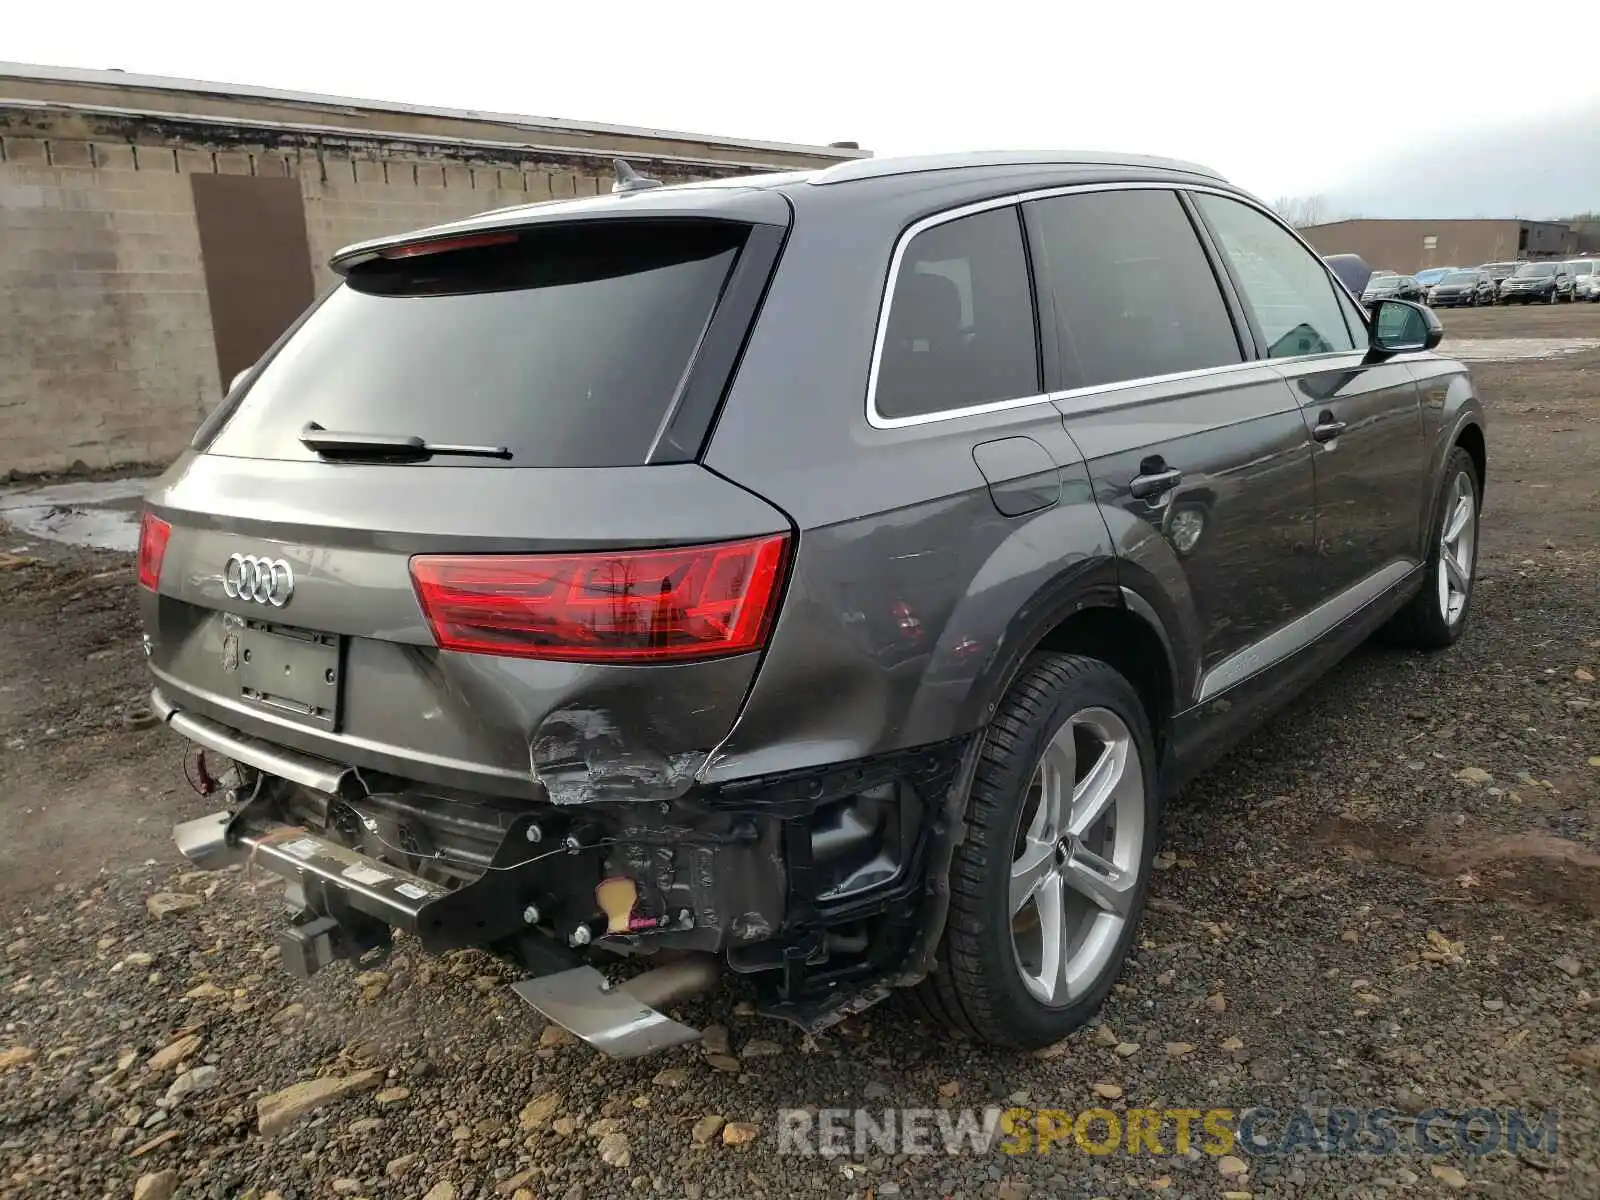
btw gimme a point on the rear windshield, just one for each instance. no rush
(568, 346)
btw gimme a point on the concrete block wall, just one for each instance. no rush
(107, 355)
(106, 351)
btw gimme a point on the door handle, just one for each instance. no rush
(1144, 487)
(1326, 428)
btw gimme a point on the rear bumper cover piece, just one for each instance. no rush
(610, 1019)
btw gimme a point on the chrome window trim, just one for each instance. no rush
(877, 420)
(1123, 385)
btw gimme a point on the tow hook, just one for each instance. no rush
(306, 949)
(313, 942)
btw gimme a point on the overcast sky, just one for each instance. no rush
(1282, 98)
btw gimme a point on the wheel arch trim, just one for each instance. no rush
(1082, 595)
(1145, 611)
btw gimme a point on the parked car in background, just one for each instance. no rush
(1585, 279)
(1532, 282)
(1387, 286)
(1432, 276)
(1499, 271)
(1463, 289)
(516, 587)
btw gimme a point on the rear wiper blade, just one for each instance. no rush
(336, 444)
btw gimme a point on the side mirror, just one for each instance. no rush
(234, 382)
(1400, 327)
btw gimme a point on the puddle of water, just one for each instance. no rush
(103, 515)
(107, 492)
(103, 528)
(1513, 349)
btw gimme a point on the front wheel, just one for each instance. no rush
(1048, 886)
(1437, 615)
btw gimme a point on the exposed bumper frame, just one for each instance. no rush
(334, 878)
(364, 896)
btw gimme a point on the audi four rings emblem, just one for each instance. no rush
(264, 580)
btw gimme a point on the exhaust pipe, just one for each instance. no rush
(622, 1021)
(675, 981)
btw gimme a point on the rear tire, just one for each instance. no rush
(1437, 615)
(1025, 973)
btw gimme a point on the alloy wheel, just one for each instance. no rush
(1078, 855)
(1457, 545)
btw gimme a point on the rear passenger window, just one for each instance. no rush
(1288, 288)
(960, 330)
(1134, 295)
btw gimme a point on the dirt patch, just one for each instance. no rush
(85, 783)
(73, 655)
(1530, 868)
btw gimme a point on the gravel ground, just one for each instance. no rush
(1386, 898)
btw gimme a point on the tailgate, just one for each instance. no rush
(453, 528)
(347, 668)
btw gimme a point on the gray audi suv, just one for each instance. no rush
(824, 577)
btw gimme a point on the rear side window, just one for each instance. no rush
(1134, 294)
(960, 329)
(569, 345)
(1288, 288)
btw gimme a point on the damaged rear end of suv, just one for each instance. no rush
(819, 577)
(457, 620)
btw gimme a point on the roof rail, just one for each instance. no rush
(878, 168)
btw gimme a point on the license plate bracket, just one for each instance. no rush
(297, 673)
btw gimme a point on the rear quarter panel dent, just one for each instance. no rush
(904, 629)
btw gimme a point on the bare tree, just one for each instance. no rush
(1301, 211)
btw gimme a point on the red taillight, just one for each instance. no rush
(442, 245)
(633, 606)
(153, 535)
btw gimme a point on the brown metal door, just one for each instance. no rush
(257, 262)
